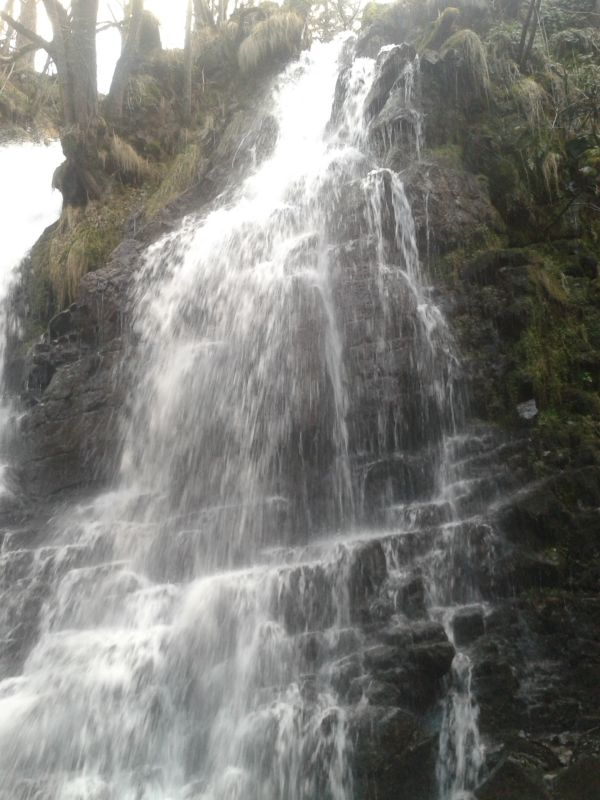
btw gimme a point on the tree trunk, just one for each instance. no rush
(73, 47)
(535, 6)
(129, 54)
(188, 61)
(28, 18)
(203, 16)
(80, 177)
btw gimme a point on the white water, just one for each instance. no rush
(194, 615)
(28, 204)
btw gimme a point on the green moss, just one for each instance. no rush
(441, 29)
(551, 354)
(481, 241)
(181, 174)
(84, 240)
(79, 243)
(373, 12)
(449, 155)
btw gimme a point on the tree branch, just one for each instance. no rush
(18, 54)
(40, 43)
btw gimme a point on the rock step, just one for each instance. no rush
(414, 516)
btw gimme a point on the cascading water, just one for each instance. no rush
(202, 636)
(26, 208)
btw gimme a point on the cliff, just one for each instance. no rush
(501, 170)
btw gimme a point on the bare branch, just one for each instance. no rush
(29, 48)
(41, 43)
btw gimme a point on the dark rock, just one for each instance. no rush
(71, 437)
(512, 781)
(393, 757)
(389, 69)
(485, 268)
(432, 659)
(368, 570)
(344, 671)
(580, 780)
(450, 206)
(410, 596)
(402, 636)
(467, 626)
(382, 657)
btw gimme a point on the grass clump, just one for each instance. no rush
(441, 29)
(125, 161)
(474, 75)
(279, 36)
(82, 242)
(531, 99)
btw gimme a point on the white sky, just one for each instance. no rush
(171, 14)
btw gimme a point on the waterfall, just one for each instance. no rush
(27, 206)
(205, 632)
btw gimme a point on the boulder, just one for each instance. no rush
(390, 64)
(467, 626)
(580, 780)
(512, 780)
(393, 756)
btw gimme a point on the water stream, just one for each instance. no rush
(196, 615)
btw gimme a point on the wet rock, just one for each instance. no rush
(496, 685)
(402, 635)
(378, 693)
(467, 626)
(393, 757)
(432, 659)
(528, 410)
(410, 596)
(70, 438)
(449, 206)
(512, 781)
(368, 570)
(344, 671)
(104, 293)
(390, 66)
(383, 657)
(580, 780)
(489, 267)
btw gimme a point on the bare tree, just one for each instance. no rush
(129, 54)
(528, 32)
(188, 61)
(27, 18)
(203, 14)
(73, 50)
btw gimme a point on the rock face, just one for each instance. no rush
(74, 386)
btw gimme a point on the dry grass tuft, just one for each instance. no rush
(278, 36)
(125, 161)
(531, 99)
(472, 61)
(550, 167)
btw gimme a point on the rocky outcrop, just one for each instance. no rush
(74, 387)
